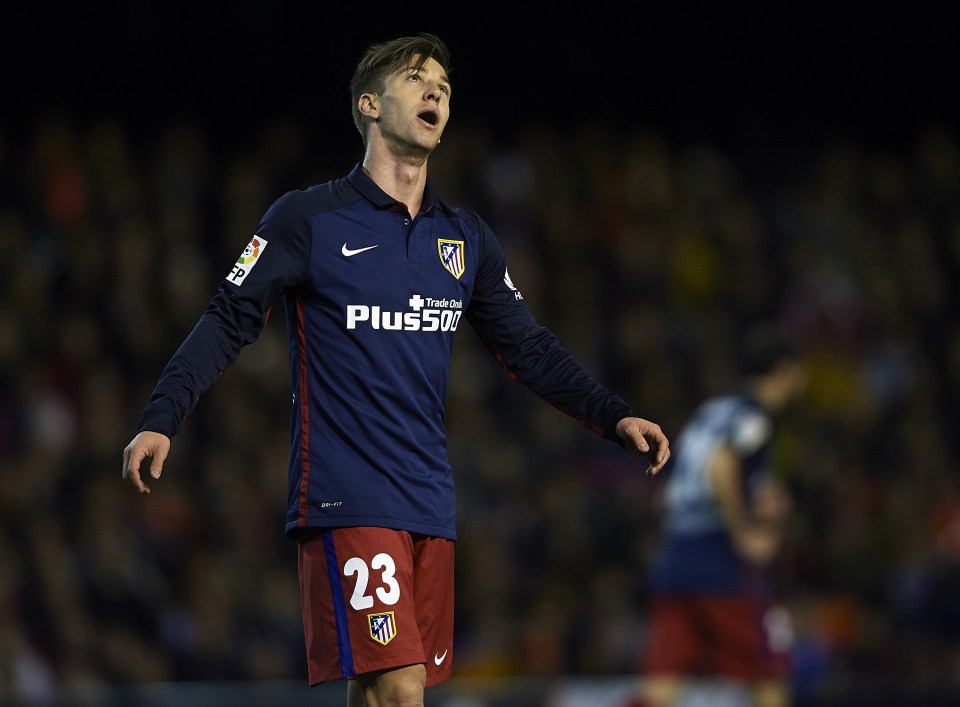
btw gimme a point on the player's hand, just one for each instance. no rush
(771, 502)
(146, 444)
(758, 544)
(646, 438)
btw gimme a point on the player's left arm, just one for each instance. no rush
(757, 540)
(532, 355)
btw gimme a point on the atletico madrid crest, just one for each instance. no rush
(451, 256)
(382, 627)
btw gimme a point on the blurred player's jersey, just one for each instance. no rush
(696, 553)
(373, 300)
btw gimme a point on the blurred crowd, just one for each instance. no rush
(647, 256)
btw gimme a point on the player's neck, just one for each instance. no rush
(402, 177)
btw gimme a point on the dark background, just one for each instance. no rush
(736, 77)
(115, 234)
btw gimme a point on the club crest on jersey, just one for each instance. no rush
(248, 258)
(451, 256)
(382, 627)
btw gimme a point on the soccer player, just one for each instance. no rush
(377, 274)
(712, 611)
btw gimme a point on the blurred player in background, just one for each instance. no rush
(712, 609)
(376, 274)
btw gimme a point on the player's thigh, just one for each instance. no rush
(362, 612)
(772, 693)
(674, 642)
(391, 687)
(748, 643)
(433, 591)
(661, 690)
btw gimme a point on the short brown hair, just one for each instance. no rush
(381, 60)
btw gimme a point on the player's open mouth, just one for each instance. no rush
(429, 116)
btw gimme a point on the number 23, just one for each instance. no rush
(388, 593)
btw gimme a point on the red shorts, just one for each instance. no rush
(745, 638)
(375, 598)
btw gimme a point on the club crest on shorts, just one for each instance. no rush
(451, 256)
(382, 627)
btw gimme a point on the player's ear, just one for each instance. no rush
(369, 105)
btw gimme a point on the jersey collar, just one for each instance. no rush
(379, 198)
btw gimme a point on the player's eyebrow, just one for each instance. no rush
(442, 78)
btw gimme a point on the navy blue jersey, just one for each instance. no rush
(697, 553)
(373, 300)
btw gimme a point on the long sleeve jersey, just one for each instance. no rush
(373, 299)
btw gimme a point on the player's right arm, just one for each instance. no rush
(234, 318)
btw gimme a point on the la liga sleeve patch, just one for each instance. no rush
(248, 258)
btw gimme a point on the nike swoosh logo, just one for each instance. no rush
(439, 658)
(348, 252)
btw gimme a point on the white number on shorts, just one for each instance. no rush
(389, 593)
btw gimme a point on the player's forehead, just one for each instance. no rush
(431, 67)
